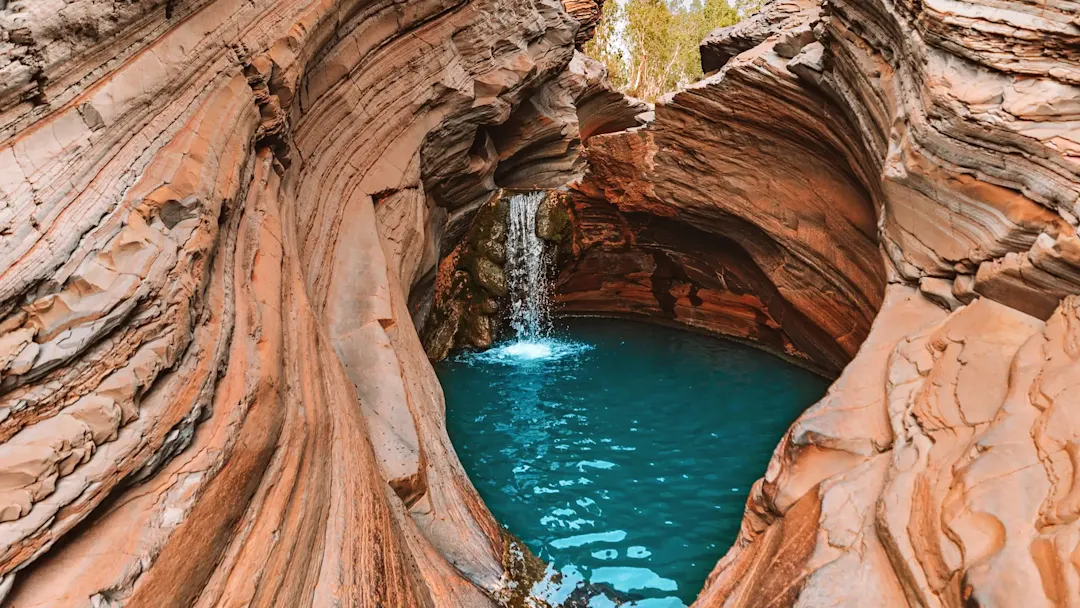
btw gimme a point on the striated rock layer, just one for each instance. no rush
(890, 188)
(213, 215)
(742, 209)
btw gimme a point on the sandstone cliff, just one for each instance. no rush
(213, 214)
(940, 469)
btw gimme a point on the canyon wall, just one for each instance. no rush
(891, 189)
(741, 209)
(213, 215)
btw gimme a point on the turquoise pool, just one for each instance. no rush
(622, 452)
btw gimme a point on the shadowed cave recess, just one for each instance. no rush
(236, 234)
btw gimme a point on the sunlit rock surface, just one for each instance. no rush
(941, 468)
(213, 215)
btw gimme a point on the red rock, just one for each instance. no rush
(214, 212)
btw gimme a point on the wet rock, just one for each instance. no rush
(478, 331)
(489, 306)
(552, 218)
(588, 594)
(469, 283)
(704, 231)
(473, 275)
(488, 234)
(440, 339)
(489, 276)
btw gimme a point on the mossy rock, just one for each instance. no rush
(469, 282)
(488, 231)
(477, 330)
(489, 306)
(553, 218)
(489, 275)
(492, 250)
(439, 340)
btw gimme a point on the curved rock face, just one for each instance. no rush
(742, 209)
(213, 214)
(940, 469)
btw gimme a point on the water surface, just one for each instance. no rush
(622, 453)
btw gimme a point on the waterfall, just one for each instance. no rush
(529, 300)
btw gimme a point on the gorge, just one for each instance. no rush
(237, 232)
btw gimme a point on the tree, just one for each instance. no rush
(650, 47)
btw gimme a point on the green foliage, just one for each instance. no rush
(650, 47)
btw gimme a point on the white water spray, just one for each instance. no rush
(529, 300)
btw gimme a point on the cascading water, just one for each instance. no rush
(529, 302)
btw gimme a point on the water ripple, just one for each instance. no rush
(622, 457)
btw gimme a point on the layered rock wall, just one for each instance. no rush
(213, 215)
(891, 189)
(221, 217)
(742, 209)
(939, 470)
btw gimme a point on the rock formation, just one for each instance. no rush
(472, 282)
(222, 222)
(214, 212)
(721, 216)
(471, 286)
